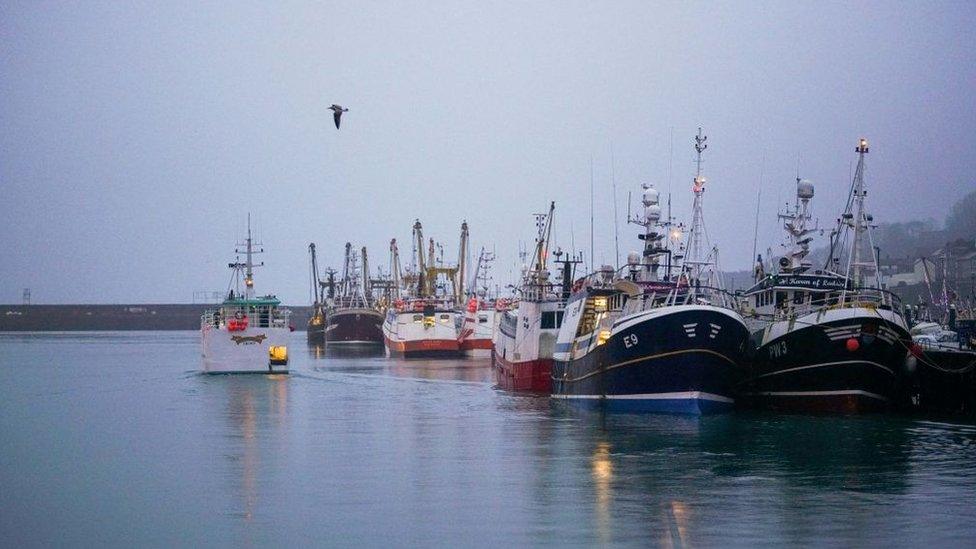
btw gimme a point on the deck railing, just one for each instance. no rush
(256, 318)
(871, 298)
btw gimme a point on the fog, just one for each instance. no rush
(136, 138)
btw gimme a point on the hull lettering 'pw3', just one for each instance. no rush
(823, 341)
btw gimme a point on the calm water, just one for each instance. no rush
(115, 439)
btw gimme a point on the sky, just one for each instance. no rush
(135, 137)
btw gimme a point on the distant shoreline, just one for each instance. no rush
(115, 317)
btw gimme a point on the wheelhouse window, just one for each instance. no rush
(551, 320)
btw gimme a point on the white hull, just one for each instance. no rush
(240, 352)
(527, 340)
(405, 333)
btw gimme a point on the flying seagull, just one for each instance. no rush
(337, 111)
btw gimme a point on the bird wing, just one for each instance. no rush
(336, 115)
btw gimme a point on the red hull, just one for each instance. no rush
(471, 344)
(529, 375)
(423, 348)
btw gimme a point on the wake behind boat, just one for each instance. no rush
(246, 333)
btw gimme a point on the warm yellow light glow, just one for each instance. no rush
(603, 337)
(278, 354)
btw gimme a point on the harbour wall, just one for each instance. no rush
(144, 316)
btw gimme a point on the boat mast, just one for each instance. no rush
(395, 268)
(697, 222)
(344, 282)
(796, 225)
(536, 279)
(249, 264)
(859, 221)
(418, 244)
(316, 290)
(365, 289)
(655, 232)
(462, 263)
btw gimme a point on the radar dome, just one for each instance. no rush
(652, 213)
(633, 258)
(804, 189)
(651, 196)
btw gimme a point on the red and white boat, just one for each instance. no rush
(525, 338)
(424, 324)
(478, 327)
(421, 328)
(478, 322)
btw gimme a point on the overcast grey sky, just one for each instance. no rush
(137, 136)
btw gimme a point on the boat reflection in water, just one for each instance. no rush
(349, 350)
(602, 471)
(257, 412)
(701, 481)
(476, 370)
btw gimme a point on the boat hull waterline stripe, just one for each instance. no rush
(845, 392)
(826, 364)
(641, 359)
(687, 395)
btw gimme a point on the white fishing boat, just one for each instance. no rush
(422, 321)
(246, 333)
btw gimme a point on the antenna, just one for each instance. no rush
(755, 235)
(616, 227)
(592, 266)
(670, 159)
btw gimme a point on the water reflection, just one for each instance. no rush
(319, 351)
(602, 472)
(475, 370)
(688, 473)
(256, 411)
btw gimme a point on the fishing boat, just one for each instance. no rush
(246, 333)
(479, 320)
(421, 321)
(526, 335)
(944, 379)
(353, 315)
(653, 336)
(823, 341)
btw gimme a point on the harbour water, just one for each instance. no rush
(117, 439)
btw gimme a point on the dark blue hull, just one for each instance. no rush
(686, 362)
